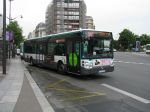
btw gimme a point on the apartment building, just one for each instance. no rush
(65, 15)
(1, 25)
(89, 22)
(40, 30)
(1, 33)
(31, 34)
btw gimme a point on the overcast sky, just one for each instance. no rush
(108, 15)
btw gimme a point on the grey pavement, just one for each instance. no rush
(25, 96)
(1, 70)
(19, 92)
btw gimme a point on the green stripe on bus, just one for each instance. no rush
(75, 59)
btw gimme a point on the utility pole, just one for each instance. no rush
(9, 43)
(4, 37)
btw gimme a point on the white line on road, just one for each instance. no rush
(133, 63)
(141, 54)
(127, 94)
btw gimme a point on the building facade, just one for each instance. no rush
(1, 25)
(31, 34)
(65, 15)
(89, 22)
(40, 30)
(1, 33)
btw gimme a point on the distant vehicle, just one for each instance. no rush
(81, 52)
(18, 51)
(114, 50)
(147, 46)
(144, 49)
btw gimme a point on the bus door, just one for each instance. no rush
(73, 57)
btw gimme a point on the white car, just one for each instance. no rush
(114, 50)
(18, 51)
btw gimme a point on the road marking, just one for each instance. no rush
(133, 63)
(91, 94)
(80, 97)
(141, 54)
(77, 91)
(56, 83)
(127, 94)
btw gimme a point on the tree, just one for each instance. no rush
(126, 39)
(17, 32)
(145, 39)
(116, 44)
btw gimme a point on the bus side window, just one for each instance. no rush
(60, 49)
(77, 48)
(44, 49)
(85, 48)
(28, 48)
(40, 49)
(51, 47)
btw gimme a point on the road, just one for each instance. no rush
(124, 90)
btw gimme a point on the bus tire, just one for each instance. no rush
(31, 62)
(61, 68)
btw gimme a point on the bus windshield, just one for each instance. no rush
(97, 48)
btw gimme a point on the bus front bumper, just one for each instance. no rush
(96, 70)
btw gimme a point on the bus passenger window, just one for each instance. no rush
(77, 48)
(51, 47)
(85, 48)
(60, 49)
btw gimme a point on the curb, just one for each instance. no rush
(45, 106)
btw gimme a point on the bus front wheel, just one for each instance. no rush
(31, 62)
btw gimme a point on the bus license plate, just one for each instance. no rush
(101, 71)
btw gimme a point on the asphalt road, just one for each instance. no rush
(127, 89)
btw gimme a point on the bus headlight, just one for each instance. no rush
(88, 65)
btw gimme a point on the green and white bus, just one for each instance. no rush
(81, 52)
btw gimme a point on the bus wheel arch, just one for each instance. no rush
(61, 67)
(31, 61)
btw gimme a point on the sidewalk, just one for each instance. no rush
(1, 69)
(19, 92)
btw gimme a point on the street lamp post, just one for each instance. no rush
(4, 37)
(9, 43)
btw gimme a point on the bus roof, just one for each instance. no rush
(63, 33)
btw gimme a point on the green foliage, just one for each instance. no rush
(17, 32)
(115, 44)
(145, 39)
(126, 39)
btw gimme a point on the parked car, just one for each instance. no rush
(114, 50)
(18, 51)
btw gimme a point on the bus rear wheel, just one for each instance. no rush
(61, 68)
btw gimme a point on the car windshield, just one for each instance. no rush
(148, 47)
(97, 48)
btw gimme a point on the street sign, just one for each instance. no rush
(9, 36)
